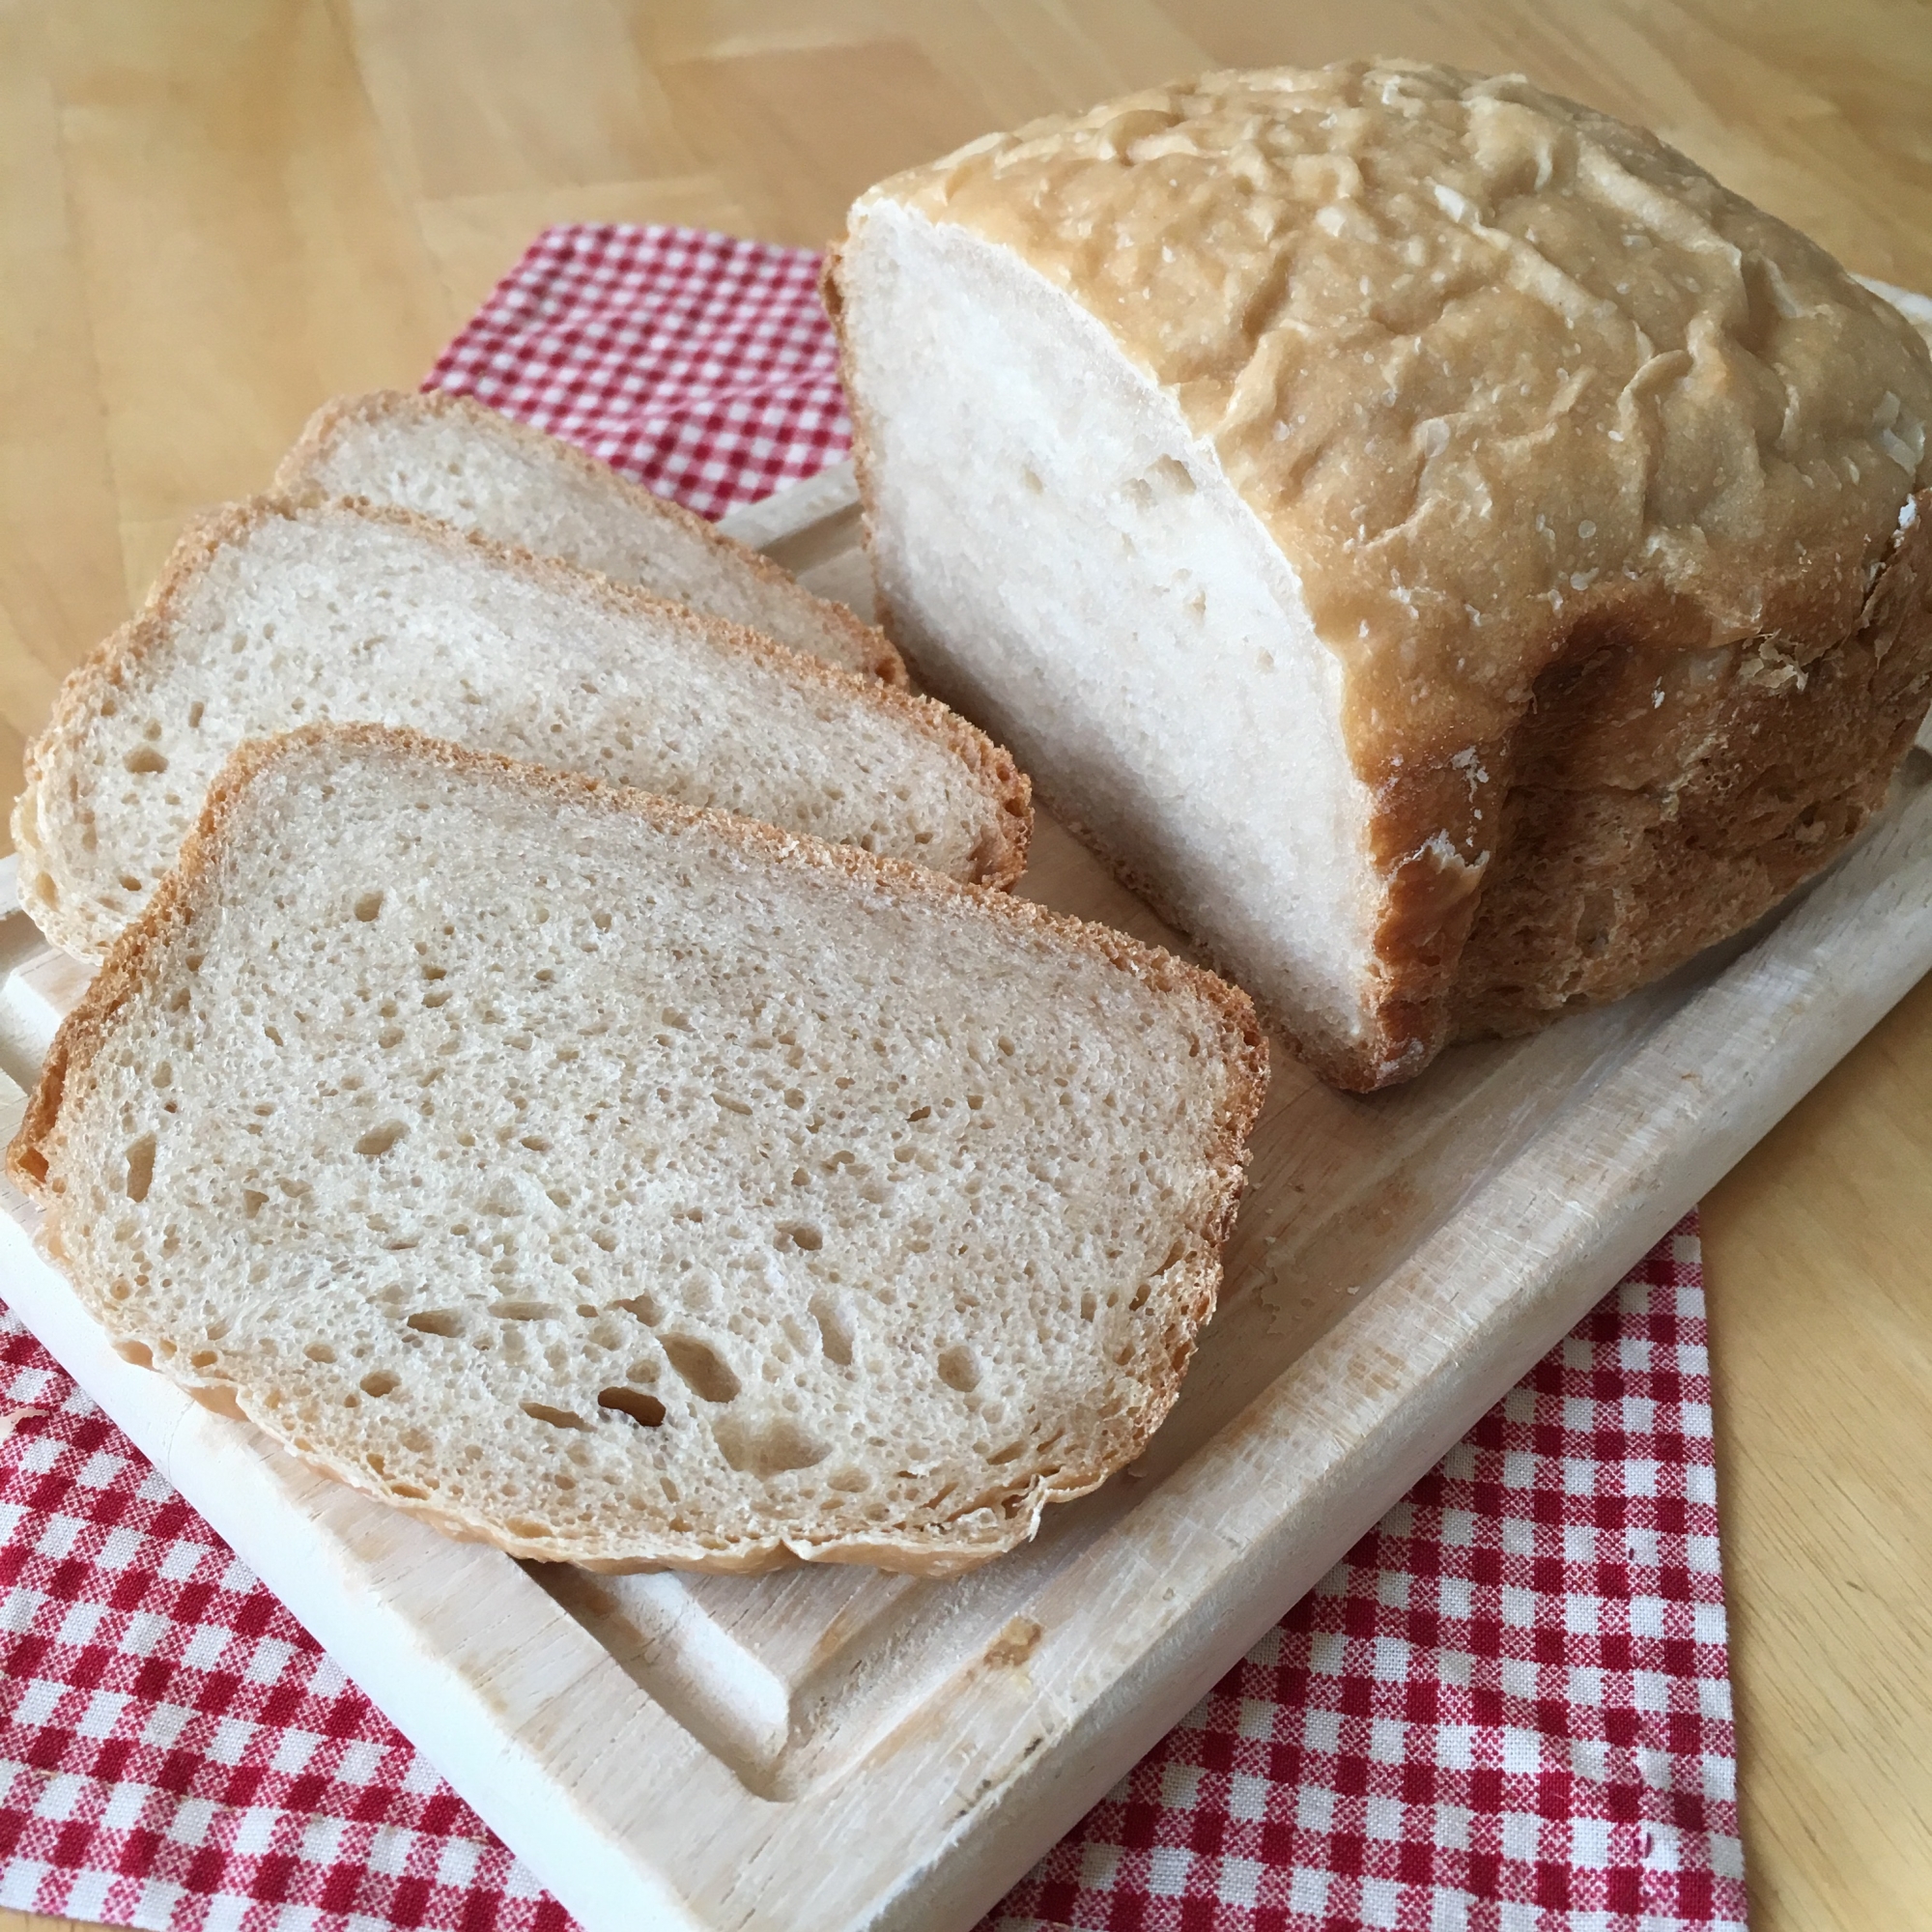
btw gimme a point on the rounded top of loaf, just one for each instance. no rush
(1498, 373)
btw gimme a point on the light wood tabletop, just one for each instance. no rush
(213, 216)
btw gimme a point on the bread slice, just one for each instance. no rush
(631, 1186)
(451, 458)
(272, 614)
(1450, 554)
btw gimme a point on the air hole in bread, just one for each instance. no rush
(129, 883)
(524, 1311)
(1011, 1453)
(1029, 480)
(204, 1359)
(140, 1168)
(558, 1418)
(835, 1330)
(644, 1410)
(708, 1375)
(378, 1381)
(770, 1446)
(444, 1321)
(194, 715)
(959, 1368)
(368, 906)
(1171, 478)
(802, 1235)
(380, 1140)
(642, 1307)
(145, 758)
(138, 1352)
(320, 1352)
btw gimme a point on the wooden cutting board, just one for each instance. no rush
(825, 1750)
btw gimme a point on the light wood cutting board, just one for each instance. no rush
(825, 1750)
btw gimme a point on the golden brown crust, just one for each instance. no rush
(1635, 834)
(296, 478)
(139, 952)
(999, 861)
(1582, 364)
(1652, 801)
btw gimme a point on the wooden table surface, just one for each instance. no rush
(212, 215)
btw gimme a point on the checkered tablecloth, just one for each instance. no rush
(1508, 1710)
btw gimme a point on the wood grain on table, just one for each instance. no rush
(213, 216)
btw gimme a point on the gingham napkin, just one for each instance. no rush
(1508, 1710)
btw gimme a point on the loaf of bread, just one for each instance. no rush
(270, 614)
(1452, 554)
(450, 457)
(631, 1186)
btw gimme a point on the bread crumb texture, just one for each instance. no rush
(630, 1186)
(1489, 366)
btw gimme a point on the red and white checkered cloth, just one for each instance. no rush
(700, 365)
(1508, 1710)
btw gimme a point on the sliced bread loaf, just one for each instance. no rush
(1454, 556)
(630, 1186)
(270, 614)
(450, 457)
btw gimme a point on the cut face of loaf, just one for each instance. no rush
(627, 1185)
(1076, 574)
(271, 614)
(448, 456)
(1451, 554)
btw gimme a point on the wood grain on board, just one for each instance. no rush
(213, 215)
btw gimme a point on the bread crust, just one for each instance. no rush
(1636, 832)
(296, 478)
(58, 750)
(142, 951)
